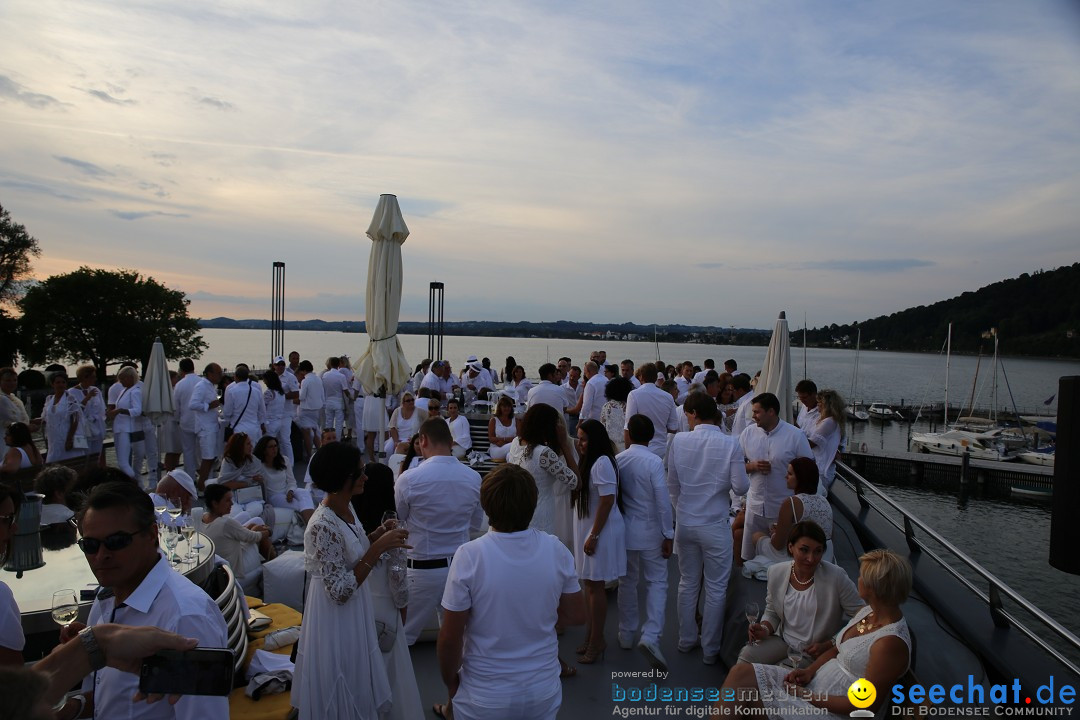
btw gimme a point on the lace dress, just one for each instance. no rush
(613, 418)
(340, 672)
(815, 508)
(554, 481)
(834, 677)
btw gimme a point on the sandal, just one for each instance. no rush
(566, 671)
(443, 710)
(582, 648)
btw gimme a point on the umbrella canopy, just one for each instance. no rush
(384, 363)
(157, 388)
(776, 372)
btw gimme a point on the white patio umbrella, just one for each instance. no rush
(157, 398)
(383, 368)
(776, 372)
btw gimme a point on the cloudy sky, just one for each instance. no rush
(608, 161)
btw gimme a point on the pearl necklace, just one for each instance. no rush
(804, 583)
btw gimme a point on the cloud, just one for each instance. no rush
(14, 91)
(87, 168)
(216, 103)
(40, 190)
(156, 189)
(141, 215)
(869, 266)
(106, 97)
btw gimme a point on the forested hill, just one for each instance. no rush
(1037, 314)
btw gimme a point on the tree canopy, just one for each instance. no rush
(17, 247)
(105, 316)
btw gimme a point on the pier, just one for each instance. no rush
(944, 472)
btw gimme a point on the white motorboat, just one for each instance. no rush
(1042, 456)
(881, 411)
(854, 413)
(981, 446)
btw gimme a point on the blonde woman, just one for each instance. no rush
(405, 422)
(826, 437)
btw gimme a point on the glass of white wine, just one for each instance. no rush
(174, 511)
(752, 610)
(160, 506)
(65, 606)
(389, 520)
(187, 530)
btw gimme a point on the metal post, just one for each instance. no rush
(1066, 497)
(277, 311)
(435, 320)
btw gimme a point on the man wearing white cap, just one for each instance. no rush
(178, 488)
(477, 379)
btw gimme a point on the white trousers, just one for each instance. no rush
(650, 566)
(122, 444)
(335, 415)
(703, 549)
(425, 595)
(190, 442)
(523, 706)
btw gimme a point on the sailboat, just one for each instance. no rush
(852, 410)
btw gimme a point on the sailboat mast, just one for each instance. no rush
(804, 373)
(948, 363)
(994, 393)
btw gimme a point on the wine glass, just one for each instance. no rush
(65, 606)
(795, 653)
(752, 610)
(160, 506)
(174, 511)
(171, 539)
(187, 530)
(388, 516)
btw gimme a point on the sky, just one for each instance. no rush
(612, 161)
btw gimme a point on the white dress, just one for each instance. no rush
(554, 481)
(609, 560)
(815, 508)
(613, 418)
(58, 417)
(340, 672)
(390, 593)
(499, 452)
(834, 677)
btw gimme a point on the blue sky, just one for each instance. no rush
(707, 163)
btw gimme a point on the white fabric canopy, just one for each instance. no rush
(157, 399)
(776, 372)
(384, 363)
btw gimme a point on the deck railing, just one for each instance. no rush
(993, 591)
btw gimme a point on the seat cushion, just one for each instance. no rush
(268, 707)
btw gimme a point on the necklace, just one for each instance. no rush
(795, 577)
(864, 625)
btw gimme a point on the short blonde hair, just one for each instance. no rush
(886, 574)
(128, 371)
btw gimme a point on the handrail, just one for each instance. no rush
(996, 587)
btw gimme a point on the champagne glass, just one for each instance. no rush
(387, 517)
(160, 506)
(174, 511)
(752, 610)
(187, 530)
(795, 654)
(171, 538)
(65, 606)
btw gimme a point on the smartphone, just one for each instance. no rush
(202, 671)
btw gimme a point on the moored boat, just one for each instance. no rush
(881, 411)
(981, 446)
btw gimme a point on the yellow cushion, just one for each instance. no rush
(269, 707)
(253, 603)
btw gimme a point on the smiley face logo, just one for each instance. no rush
(862, 693)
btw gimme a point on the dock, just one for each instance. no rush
(945, 472)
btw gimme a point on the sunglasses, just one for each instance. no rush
(116, 541)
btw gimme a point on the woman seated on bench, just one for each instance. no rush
(233, 541)
(279, 485)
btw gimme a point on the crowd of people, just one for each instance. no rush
(603, 472)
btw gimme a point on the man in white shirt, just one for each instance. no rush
(244, 409)
(181, 393)
(626, 369)
(120, 540)
(684, 380)
(203, 407)
(649, 534)
(742, 412)
(312, 401)
(704, 466)
(806, 391)
(547, 391)
(335, 385)
(657, 405)
(592, 401)
(433, 378)
(575, 390)
(477, 379)
(440, 501)
(768, 447)
(459, 430)
(708, 365)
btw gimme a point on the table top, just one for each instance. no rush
(67, 568)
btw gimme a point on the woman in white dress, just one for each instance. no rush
(61, 419)
(875, 645)
(543, 449)
(599, 534)
(243, 548)
(340, 671)
(125, 415)
(279, 484)
(405, 421)
(519, 385)
(92, 406)
(502, 429)
(613, 413)
(804, 504)
(826, 437)
(278, 412)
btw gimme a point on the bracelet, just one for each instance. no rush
(370, 567)
(593, 537)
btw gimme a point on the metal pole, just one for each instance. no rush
(435, 320)
(277, 310)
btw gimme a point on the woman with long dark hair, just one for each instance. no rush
(543, 449)
(278, 412)
(279, 484)
(22, 452)
(599, 534)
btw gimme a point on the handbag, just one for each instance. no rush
(229, 428)
(387, 635)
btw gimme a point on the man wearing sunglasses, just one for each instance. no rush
(120, 541)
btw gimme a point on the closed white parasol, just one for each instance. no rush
(383, 367)
(157, 400)
(776, 372)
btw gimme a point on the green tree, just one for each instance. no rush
(105, 316)
(17, 247)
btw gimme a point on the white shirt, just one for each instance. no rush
(481, 381)
(780, 446)
(312, 396)
(658, 406)
(646, 506)
(459, 428)
(440, 500)
(11, 632)
(244, 409)
(683, 386)
(743, 415)
(573, 394)
(594, 397)
(129, 399)
(334, 385)
(204, 393)
(182, 399)
(548, 393)
(825, 435)
(432, 381)
(512, 584)
(168, 600)
(703, 466)
(807, 418)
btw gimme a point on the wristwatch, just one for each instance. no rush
(93, 650)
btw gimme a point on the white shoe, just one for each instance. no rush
(709, 659)
(652, 653)
(626, 640)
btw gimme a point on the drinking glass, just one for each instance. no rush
(397, 555)
(752, 610)
(160, 506)
(171, 538)
(174, 511)
(65, 606)
(795, 654)
(387, 516)
(187, 530)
